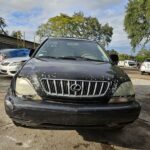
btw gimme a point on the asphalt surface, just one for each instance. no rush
(134, 136)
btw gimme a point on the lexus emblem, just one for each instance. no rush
(75, 88)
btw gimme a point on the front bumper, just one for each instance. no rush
(143, 69)
(32, 113)
(3, 69)
(9, 70)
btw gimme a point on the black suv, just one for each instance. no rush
(71, 83)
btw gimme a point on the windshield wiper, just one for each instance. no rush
(46, 57)
(89, 59)
(80, 58)
(68, 57)
(71, 58)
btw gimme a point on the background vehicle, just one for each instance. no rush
(11, 53)
(145, 66)
(121, 63)
(10, 66)
(130, 63)
(12, 59)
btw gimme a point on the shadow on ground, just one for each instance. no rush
(134, 136)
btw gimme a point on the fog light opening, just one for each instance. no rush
(118, 100)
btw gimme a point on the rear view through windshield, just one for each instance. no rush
(72, 48)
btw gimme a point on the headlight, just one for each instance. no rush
(25, 88)
(125, 89)
(122, 93)
(16, 64)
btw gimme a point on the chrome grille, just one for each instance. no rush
(74, 88)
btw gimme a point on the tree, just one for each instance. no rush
(112, 51)
(142, 55)
(17, 34)
(2, 26)
(76, 26)
(137, 22)
(125, 57)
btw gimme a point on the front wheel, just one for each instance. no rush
(142, 72)
(16, 123)
(119, 127)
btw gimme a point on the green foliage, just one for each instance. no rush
(125, 57)
(137, 22)
(142, 55)
(2, 26)
(17, 34)
(112, 51)
(76, 26)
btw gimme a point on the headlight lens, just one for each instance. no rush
(25, 88)
(125, 89)
(123, 93)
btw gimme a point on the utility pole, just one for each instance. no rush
(17, 41)
(34, 42)
(24, 40)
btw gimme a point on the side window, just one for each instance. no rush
(47, 48)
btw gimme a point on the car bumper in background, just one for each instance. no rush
(145, 70)
(9, 70)
(31, 113)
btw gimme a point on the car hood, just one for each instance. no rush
(72, 69)
(16, 59)
(36, 69)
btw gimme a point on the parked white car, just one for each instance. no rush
(11, 66)
(121, 63)
(130, 63)
(145, 66)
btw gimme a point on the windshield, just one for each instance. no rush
(71, 49)
(147, 60)
(132, 62)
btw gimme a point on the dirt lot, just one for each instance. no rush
(134, 136)
(133, 73)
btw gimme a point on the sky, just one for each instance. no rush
(27, 15)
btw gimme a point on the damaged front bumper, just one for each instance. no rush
(32, 113)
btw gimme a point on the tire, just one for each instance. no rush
(19, 124)
(119, 127)
(26, 125)
(16, 123)
(142, 72)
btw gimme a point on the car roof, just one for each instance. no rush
(75, 39)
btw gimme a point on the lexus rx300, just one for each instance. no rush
(71, 83)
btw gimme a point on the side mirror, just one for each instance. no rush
(31, 52)
(114, 58)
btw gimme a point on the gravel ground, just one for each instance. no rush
(133, 73)
(134, 136)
